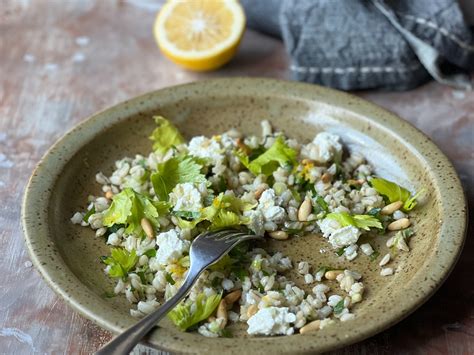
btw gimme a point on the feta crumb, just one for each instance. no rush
(272, 321)
(344, 236)
(324, 147)
(204, 147)
(170, 247)
(185, 197)
(303, 267)
(386, 271)
(328, 226)
(308, 278)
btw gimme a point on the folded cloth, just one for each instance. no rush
(362, 44)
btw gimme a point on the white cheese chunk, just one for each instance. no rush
(171, 247)
(271, 321)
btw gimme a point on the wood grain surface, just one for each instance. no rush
(60, 61)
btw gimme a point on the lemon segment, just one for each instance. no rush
(199, 34)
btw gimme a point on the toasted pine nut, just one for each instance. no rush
(332, 274)
(326, 178)
(222, 312)
(305, 210)
(311, 327)
(259, 190)
(400, 224)
(278, 235)
(109, 194)
(252, 310)
(389, 209)
(147, 228)
(232, 297)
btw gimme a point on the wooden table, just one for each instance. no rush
(61, 61)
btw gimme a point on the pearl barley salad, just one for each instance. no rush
(152, 207)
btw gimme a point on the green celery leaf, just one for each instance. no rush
(394, 192)
(183, 317)
(279, 154)
(362, 221)
(224, 219)
(121, 262)
(165, 136)
(129, 207)
(177, 170)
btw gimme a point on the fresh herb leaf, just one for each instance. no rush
(339, 307)
(186, 314)
(340, 251)
(108, 294)
(141, 275)
(374, 255)
(407, 233)
(150, 253)
(121, 262)
(186, 214)
(374, 212)
(394, 192)
(129, 207)
(88, 214)
(165, 136)
(226, 333)
(362, 221)
(169, 278)
(177, 170)
(279, 154)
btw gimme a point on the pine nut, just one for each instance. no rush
(147, 228)
(310, 327)
(399, 224)
(326, 178)
(259, 190)
(222, 312)
(211, 319)
(332, 274)
(278, 235)
(252, 310)
(232, 297)
(305, 210)
(389, 209)
(109, 194)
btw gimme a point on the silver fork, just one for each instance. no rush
(206, 249)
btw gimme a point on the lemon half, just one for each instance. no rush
(199, 34)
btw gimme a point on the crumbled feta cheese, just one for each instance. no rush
(186, 197)
(385, 259)
(344, 236)
(328, 226)
(386, 271)
(204, 147)
(324, 147)
(170, 247)
(268, 205)
(256, 221)
(272, 321)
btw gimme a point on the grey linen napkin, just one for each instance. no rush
(363, 44)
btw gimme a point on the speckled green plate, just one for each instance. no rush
(68, 256)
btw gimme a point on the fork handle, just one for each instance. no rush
(124, 342)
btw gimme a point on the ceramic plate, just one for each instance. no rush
(68, 256)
